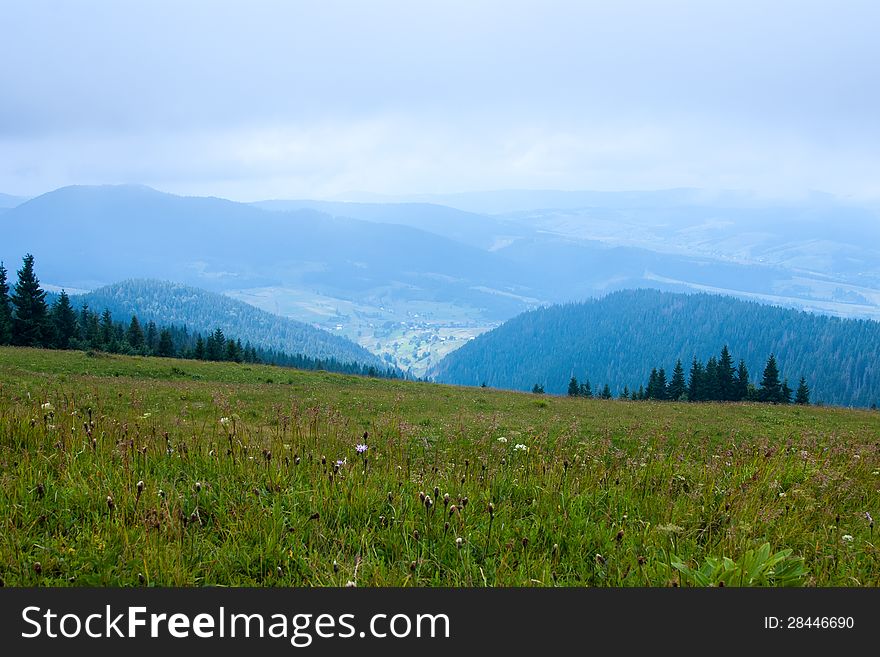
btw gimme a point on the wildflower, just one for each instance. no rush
(491, 510)
(161, 493)
(519, 447)
(360, 448)
(38, 567)
(341, 462)
(502, 439)
(600, 559)
(350, 585)
(428, 502)
(458, 542)
(225, 421)
(869, 519)
(47, 407)
(198, 486)
(390, 497)
(110, 502)
(335, 566)
(847, 538)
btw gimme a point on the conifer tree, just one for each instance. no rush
(803, 392)
(199, 352)
(726, 389)
(696, 389)
(63, 320)
(786, 393)
(741, 384)
(771, 388)
(108, 332)
(5, 308)
(151, 338)
(652, 390)
(677, 386)
(30, 324)
(586, 390)
(606, 392)
(166, 345)
(662, 386)
(712, 387)
(573, 389)
(135, 334)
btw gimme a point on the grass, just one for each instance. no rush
(605, 493)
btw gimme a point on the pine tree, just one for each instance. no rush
(107, 335)
(625, 393)
(199, 353)
(606, 392)
(63, 320)
(30, 326)
(771, 389)
(135, 334)
(573, 388)
(538, 389)
(652, 390)
(662, 386)
(786, 393)
(726, 389)
(677, 387)
(585, 390)
(741, 385)
(151, 339)
(166, 345)
(5, 309)
(696, 389)
(803, 393)
(712, 387)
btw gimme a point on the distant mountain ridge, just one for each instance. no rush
(618, 338)
(200, 310)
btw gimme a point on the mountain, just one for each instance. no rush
(171, 303)
(465, 227)
(7, 201)
(618, 338)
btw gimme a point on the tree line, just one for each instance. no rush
(28, 320)
(715, 380)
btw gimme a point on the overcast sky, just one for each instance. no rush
(252, 100)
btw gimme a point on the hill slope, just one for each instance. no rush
(618, 339)
(200, 310)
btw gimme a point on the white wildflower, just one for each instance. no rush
(47, 407)
(847, 538)
(225, 421)
(519, 447)
(502, 439)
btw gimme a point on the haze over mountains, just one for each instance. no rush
(413, 280)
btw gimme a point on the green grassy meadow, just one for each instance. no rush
(582, 492)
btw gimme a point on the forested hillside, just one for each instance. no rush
(203, 311)
(619, 338)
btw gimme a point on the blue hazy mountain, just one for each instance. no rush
(619, 338)
(203, 311)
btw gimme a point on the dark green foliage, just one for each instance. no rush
(620, 337)
(63, 321)
(606, 392)
(135, 334)
(677, 386)
(771, 388)
(30, 322)
(573, 388)
(741, 383)
(586, 390)
(5, 308)
(803, 393)
(538, 389)
(725, 374)
(165, 346)
(786, 393)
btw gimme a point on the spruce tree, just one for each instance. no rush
(741, 385)
(586, 390)
(166, 345)
(151, 339)
(30, 325)
(696, 389)
(771, 388)
(573, 389)
(786, 393)
(803, 392)
(712, 387)
(662, 386)
(107, 335)
(677, 387)
(726, 389)
(606, 392)
(199, 352)
(651, 392)
(135, 334)
(5, 309)
(63, 320)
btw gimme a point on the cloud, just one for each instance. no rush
(310, 99)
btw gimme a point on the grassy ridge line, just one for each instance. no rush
(692, 481)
